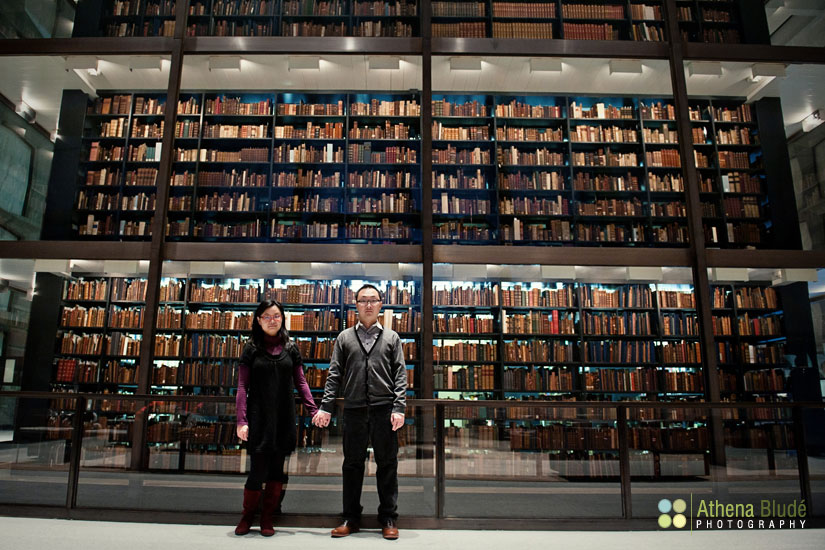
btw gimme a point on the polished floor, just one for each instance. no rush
(28, 533)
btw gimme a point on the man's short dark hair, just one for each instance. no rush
(366, 286)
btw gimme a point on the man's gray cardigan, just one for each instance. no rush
(367, 379)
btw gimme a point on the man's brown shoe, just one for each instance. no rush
(345, 529)
(389, 531)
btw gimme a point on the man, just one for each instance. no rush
(368, 365)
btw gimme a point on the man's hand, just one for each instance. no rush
(397, 421)
(243, 432)
(321, 419)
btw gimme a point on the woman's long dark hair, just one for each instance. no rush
(258, 332)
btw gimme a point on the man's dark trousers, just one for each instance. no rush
(363, 425)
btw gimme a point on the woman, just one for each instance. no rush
(270, 368)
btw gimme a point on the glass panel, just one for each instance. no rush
(85, 18)
(554, 455)
(35, 446)
(43, 19)
(789, 27)
(15, 307)
(670, 457)
(761, 456)
(192, 461)
(760, 477)
(807, 151)
(26, 152)
(179, 437)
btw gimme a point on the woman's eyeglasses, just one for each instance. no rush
(270, 318)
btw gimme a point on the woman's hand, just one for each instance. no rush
(243, 432)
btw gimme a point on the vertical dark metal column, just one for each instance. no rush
(68, 153)
(624, 462)
(426, 386)
(74, 457)
(427, 203)
(440, 456)
(802, 458)
(156, 255)
(701, 282)
(776, 161)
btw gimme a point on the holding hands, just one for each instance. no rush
(321, 419)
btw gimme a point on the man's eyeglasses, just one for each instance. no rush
(270, 318)
(370, 302)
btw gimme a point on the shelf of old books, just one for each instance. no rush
(664, 172)
(463, 169)
(525, 340)
(741, 173)
(606, 151)
(99, 334)
(382, 191)
(120, 153)
(122, 18)
(748, 326)
(342, 167)
(345, 167)
(534, 190)
(200, 338)
(549, 19)
(712, 21)
(397, 18)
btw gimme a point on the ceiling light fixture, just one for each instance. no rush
(625, 66)
(145, 62)
(304, 62)
(224, 62)
(705, 68)
(465, 63)
(384, 62)
(25, 111)
(762, 70)
(85, 63)
(545, 64)
(813, 120)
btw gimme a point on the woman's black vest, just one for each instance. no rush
(270, 401)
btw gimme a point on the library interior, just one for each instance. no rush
(612, 211)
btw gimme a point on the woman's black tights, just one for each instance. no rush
(265, 467)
